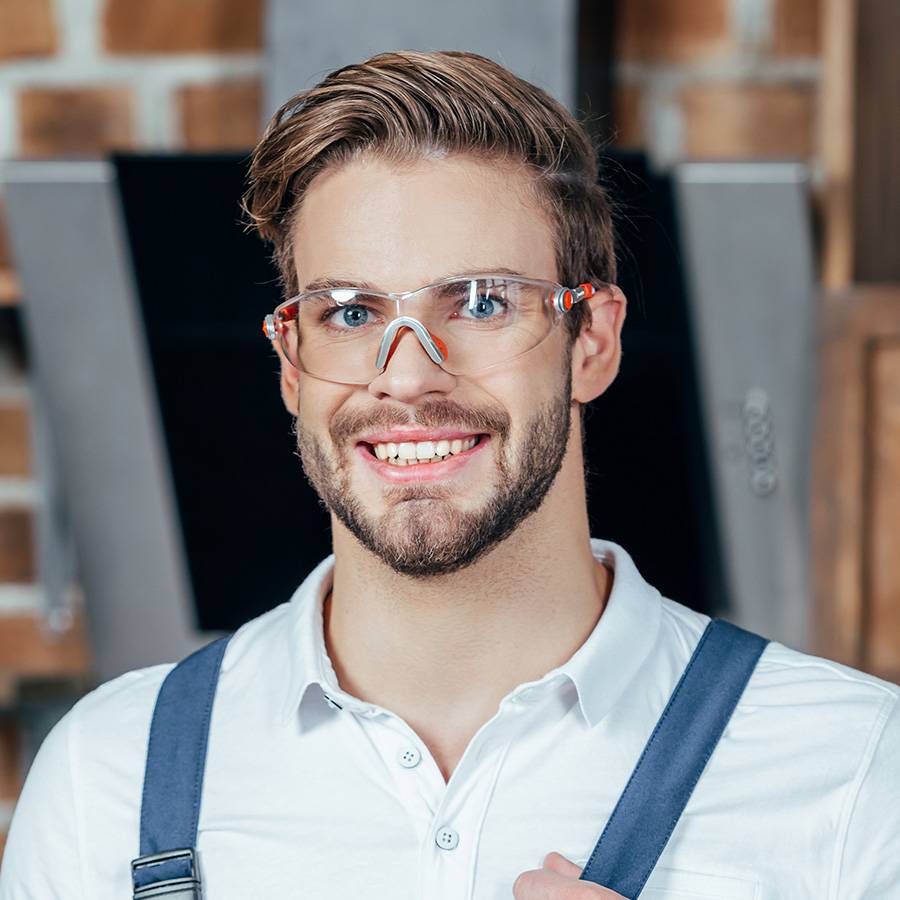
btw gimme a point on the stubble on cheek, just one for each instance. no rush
(329, 476)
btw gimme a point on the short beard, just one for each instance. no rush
(423, 535)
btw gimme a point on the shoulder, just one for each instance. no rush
(817, 697)
(121, 709)
(831, 716)
(117, 711)
(841, 697)
(79, 808)
(807, 678)
(783, 671)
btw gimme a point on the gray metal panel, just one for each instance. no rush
(55, 547)
(306, 40)
(746, 235)
(92, 374)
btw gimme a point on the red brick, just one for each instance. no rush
(28, 650)
(223, 116)
(75, 121)
(672, 30)
(748, 121)
(16, 545)
(27, 28)
(795, 27)
(182, 26)
(15, 441)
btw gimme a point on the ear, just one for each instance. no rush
(597, 351)
(290, 382)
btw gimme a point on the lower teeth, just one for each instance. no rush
(413, 462)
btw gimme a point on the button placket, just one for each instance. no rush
(414, 778)
(458, 821)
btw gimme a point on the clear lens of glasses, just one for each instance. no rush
(336, 334)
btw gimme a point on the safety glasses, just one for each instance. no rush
(465, 324)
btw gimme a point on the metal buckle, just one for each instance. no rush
(181, 888)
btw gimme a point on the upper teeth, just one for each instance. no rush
(411, 454)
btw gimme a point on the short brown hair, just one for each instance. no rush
(406, 105)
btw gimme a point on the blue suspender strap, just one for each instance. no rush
(173, 778)
(674, 758)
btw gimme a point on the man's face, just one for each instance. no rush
(398, 229)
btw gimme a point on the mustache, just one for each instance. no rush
(429, 414)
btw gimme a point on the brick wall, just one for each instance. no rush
(79, 78)
(720, 79)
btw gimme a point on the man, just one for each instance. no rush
(451, 706)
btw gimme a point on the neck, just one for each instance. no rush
(442, 652)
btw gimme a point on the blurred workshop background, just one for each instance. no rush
(748, 456)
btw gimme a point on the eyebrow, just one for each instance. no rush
(335, 282)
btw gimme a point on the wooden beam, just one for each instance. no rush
(836, 142)
(855, 499)
(876, 152)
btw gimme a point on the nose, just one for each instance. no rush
(409, 372)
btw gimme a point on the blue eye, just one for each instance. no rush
(352, 316)
(482, 307)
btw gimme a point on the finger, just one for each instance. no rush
(543, 884)
(558, 863)
(539, 884)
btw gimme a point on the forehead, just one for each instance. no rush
(399, 227)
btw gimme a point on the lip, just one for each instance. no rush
(414, 434)
(422, 472)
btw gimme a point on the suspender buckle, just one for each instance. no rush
(172, 875)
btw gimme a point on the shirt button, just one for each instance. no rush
(446, 838)
(409, 757)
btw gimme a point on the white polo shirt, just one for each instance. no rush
(312, 793)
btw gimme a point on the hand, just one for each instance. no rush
(557, 879)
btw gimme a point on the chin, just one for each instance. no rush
(421, 537)
(419, 518)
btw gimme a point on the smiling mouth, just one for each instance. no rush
(409, 453)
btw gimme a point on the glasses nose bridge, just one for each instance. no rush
(410, 367)
(431, 344)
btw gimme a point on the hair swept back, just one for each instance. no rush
(410, 104)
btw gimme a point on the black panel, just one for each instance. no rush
(252, 527)
(649, 487)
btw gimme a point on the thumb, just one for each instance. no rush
(556, 862)
(559, 865)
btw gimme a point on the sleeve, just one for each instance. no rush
(869, 865)
(42, 859)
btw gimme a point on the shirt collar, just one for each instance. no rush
(608, 661)
(601, 669)
(308, 659)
